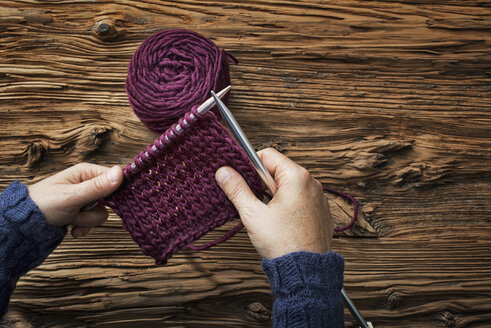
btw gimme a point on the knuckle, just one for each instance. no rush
(267, 151)
(82, 166)
(234, 189)
(304, 175)
(318, 184)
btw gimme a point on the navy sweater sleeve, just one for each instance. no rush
(26, 239)
(307, 289)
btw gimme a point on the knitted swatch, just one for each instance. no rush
(169, 196)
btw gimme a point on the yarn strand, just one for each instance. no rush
(355, 207)
(169, 197)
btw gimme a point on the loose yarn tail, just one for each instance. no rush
(355, 207)
(239, 226)
(217, 241)
(171, 72)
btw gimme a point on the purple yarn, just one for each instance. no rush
(171, 72)
(355, 207)
(169, 197)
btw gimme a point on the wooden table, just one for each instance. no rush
(386, 100)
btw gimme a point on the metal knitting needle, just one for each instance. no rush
(354, 311)
(202, 109)
(268, 180)
(210, 102)
(245, 144)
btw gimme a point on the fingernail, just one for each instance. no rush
(223, 174)
(113, 174)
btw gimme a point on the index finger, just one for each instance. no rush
(276, 163)
(84, 171)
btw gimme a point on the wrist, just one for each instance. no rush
(291, 247)
(34, 195)
(41, 200)
(31, 238)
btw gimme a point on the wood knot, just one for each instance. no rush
(106, 30)
(258, 312)
(276, 143)
(98, 135)
(393, 300)
(367, 161)
(448, 318)
(410, 174)
(93, 139)
(373, 153)
(36, 151)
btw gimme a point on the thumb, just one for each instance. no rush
(100, 186)
(237, 191)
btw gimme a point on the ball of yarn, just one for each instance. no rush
(171, 72)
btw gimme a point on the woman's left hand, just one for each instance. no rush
(70, 196)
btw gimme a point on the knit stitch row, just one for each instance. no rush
(170, 197)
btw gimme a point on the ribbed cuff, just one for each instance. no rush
(26, 239)
(307, 289)
(304, 273)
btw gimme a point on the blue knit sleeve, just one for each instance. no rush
(26, 239)
(307, 289)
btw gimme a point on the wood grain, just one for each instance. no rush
(387, 100)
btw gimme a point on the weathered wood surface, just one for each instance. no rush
(387, 100)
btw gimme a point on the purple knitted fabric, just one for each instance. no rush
(171, 72)
(170, 198)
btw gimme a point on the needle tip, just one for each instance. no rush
(210, 102)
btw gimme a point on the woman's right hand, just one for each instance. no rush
(296, 219)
